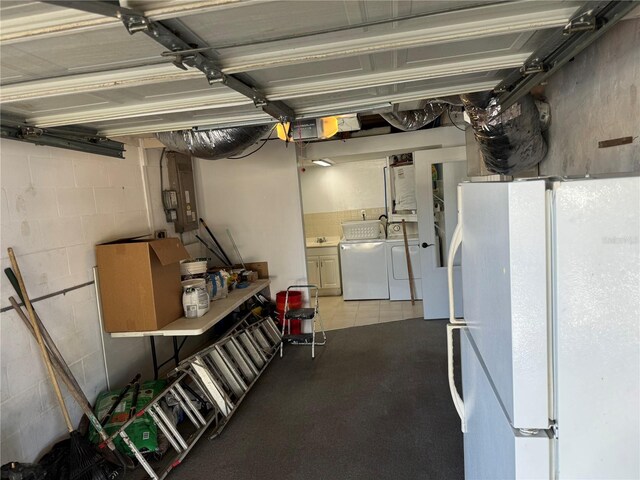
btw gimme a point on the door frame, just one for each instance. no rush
(434, 279)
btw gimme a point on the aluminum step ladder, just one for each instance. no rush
(216, 379)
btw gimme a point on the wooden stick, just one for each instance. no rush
(38, 334)
(409, 269)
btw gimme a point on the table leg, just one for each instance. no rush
(176, 351)
(154, 358)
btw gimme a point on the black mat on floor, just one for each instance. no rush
(374, 404)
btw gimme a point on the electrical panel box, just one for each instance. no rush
(181, 181)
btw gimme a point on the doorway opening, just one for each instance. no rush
(350, 196)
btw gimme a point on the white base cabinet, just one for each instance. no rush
(323, 270)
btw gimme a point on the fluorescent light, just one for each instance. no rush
(323, 162)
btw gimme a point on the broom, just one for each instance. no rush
(84, 462)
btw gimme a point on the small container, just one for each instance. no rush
(193, 282)
(195, 301)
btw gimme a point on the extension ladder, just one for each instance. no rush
(208, 387)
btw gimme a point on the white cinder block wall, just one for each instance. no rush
(56, 205)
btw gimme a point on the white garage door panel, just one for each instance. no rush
(460, 46)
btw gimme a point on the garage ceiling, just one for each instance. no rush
(64, 67)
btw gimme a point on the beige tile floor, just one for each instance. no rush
(337, 313)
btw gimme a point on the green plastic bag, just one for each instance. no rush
(142, 432)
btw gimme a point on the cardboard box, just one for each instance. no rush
(140, 283)
(261, 267)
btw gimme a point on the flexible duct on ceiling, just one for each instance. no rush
(409, 120)
(212, 144)
(511, 141)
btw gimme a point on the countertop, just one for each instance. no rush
(312, 242)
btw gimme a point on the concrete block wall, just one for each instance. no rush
(594, 98)
(56, 205)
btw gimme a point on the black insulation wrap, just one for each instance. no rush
(511, 141)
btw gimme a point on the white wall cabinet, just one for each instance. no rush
(323, 270)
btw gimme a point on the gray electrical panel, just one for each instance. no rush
(181, 181)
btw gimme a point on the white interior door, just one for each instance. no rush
(437, 218)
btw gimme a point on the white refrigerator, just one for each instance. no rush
(550, 342)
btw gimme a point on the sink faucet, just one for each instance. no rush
(321, 239)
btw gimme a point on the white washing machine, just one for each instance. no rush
(364, 269)
(397, 268)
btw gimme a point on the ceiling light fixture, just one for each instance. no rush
(323, 162)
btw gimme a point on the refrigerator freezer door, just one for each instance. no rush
(493, 450)
(364, 270)
(597, 324)
(504, 281)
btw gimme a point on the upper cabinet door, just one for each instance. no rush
(438, 173)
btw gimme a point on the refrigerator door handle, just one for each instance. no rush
(455, 395)
(456, 240)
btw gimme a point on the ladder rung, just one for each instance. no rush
(186, 407)
(269, 334)
(217, 394)
(216, 373)
(236, 385)
(197, 415)
(259, 336)
(161, 420)
(243, 361)
(271, 325)
(252, 349)
(233, 367)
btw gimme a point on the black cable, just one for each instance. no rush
(451, 119)
(264, 142)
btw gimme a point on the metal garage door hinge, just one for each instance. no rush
(534, 66)
(135, 23)
(584, 23)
